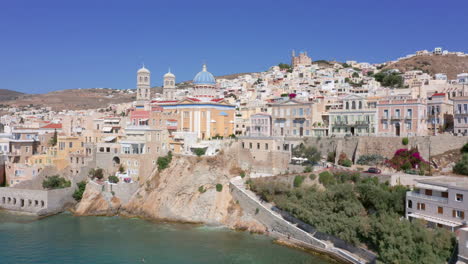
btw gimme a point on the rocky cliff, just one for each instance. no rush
(184, 192)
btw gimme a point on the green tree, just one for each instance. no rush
(53, 139)
(310, 153)
(113, 179)
(199, 151)
(461, 167)
(298, 180)
(355, 75)
(405, 141)
(284, 66)
(78, 194)
(326, 178)
(55, 182)
(163, 162)
(219, 187)
(96, 173)
(464, 149)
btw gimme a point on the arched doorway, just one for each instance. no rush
(397, 129)
(116, 160)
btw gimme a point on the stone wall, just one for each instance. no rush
(280, 228)
(39, 202)
(270, 161)
(354, 147)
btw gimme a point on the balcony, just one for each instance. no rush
(408, 117)
(396, 117)
(384, 117)
(438, 199)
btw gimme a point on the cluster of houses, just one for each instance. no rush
(304, 99)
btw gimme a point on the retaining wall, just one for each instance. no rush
(39, 202)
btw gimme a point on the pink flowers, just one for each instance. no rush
(406, 159)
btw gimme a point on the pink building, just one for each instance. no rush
(402, 116)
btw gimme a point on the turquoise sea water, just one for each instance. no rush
(67, 239)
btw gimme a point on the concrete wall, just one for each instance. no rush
(39, 202)
(123, 191)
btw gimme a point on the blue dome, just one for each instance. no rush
(204, 77)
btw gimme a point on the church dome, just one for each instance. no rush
(143, 69)
(204, 77)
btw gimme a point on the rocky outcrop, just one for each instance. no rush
(184, 192)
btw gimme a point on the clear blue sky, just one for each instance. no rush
(54, 45)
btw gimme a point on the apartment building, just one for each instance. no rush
(296, 118)
(460, 115)
(439, 113)
(402, 116)
(355, 116)
(442, 201)
(260, 125)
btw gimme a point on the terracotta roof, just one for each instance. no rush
(439, 94)
(217, 100)
(53, 126)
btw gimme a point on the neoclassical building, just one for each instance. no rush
(202, 113)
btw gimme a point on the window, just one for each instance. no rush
(459, 197)
(409, 113)
(440, 210)
(385, 113)
(70, 144)
(410, 204)
(428, 192)
(250, 145)
(458, 214)
(258, 145)
(421, 206)
(266, 146)
(445, 194)
(397, 112)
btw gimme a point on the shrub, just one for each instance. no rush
(257, 210)
(405, 141)
(219, 187)
(405, 159)
(307, 169)
(313, 176)
(121, 168)
(462, 166)
(113, 179)
(199, 152)
(78, 194)
(96, 173)
(326, 178)
(163, 162)
(331, 157)
(346, 163)
(55, 182)
(201, 189)
(464, 149)
(298, 180)
(371, 159)
(242, 174)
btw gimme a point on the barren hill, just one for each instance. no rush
(6, 95)
(73, 99)
(449, 64)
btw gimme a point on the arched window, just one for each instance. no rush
(353, 105)
(146, 79)
(360, 104)
(347, 105)
(141, 78)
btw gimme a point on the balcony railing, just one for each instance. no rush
(427, 197)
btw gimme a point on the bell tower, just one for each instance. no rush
(143, 84)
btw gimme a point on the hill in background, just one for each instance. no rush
(449, 64)
(6, 95)
(73, 99)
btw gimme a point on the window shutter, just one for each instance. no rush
(454, 214)
(462, 215)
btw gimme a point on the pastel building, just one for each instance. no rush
(260, 125)
(460, 115)
(402, 116)
(355, 116)
(439, 113)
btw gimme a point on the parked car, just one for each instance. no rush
(374, 170)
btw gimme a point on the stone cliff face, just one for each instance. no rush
(185, 192)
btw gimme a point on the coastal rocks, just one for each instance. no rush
(185, 192)
(96, 203)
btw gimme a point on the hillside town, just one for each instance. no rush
(343, 112)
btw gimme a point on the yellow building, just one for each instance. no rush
(206, 118)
